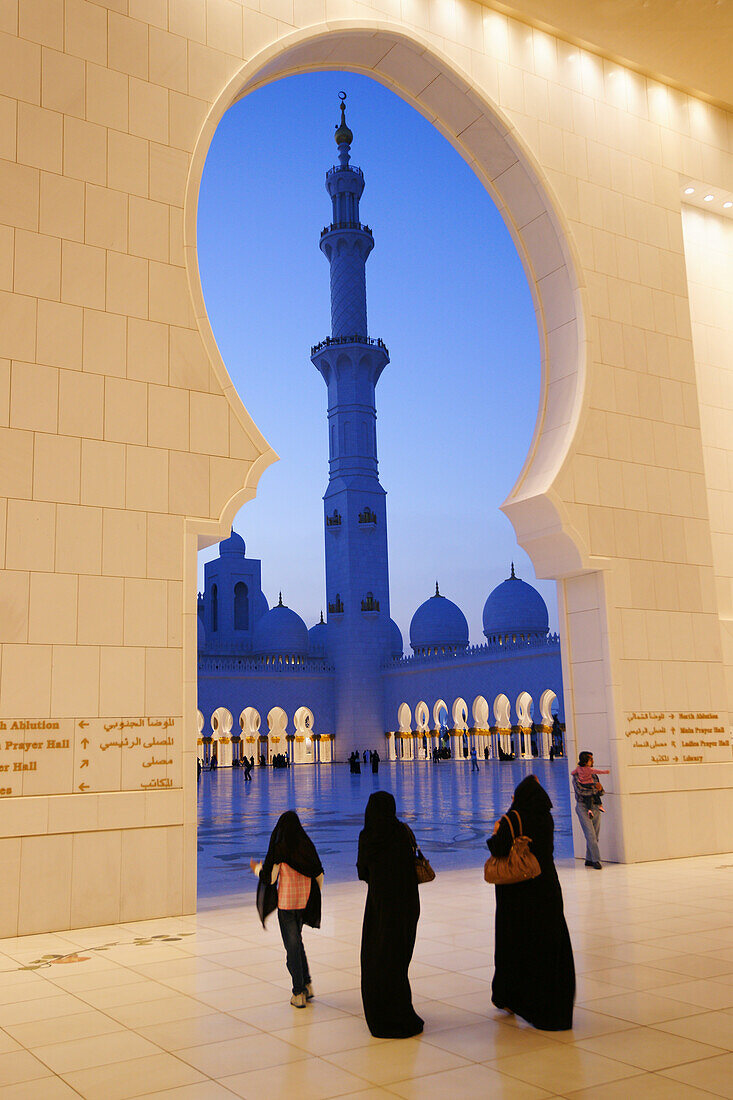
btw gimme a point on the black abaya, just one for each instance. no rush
(534, 973)
(386, 862)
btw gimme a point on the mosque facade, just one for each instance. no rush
(268, 685)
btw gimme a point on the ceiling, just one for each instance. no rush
(684, 42)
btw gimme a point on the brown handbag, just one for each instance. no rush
(519, 865)
(424, 871)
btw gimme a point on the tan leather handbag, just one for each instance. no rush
(519, 865)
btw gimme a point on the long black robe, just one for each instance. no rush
(386, 862)
(534, 973)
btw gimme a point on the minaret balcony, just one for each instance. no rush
(330, 341)
(334, 227)
(344, 168)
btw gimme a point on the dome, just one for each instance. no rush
(515, 607)
(317, 639)
(343, 135)
(280, 632)
(396, 645)
(233, 545)
(438, 622)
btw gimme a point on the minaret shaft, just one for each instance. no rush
(357, 576)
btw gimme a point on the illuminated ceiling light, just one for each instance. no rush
(727, 205)
(689, 190)
(708, 198)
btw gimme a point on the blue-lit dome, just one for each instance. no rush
(317, 639)
(280, 632)
(396, 645)
(233, 545)
(438, 624)
(515, 607)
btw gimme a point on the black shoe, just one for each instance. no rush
(597, 866)
(588, 863)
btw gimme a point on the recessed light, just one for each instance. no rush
(708, 198)
(727, 205)
(689, 190)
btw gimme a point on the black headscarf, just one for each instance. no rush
(380, 821)
(530, 797)
(289, 843)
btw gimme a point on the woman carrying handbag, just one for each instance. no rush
(387, 863)
(534, 972)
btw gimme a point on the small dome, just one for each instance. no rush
(280, 632)
(233, 545)
(396, 644)
(515, 607)
(317, 639)
(201, 633)
(343, 135)
(438, 622)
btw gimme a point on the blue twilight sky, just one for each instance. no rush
(457, 404)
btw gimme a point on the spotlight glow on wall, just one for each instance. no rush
(708, 198)
(727, 205)
(689, 190)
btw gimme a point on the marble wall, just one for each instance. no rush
(124, 447)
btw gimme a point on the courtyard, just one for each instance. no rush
(450, 809)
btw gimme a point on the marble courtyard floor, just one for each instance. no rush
(196, 1008)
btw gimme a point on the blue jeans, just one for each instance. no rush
(291, 929)
(591, 826)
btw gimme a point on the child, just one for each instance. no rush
(587, 785)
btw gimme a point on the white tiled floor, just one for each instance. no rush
(205, 1015)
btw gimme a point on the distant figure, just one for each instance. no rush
(292, 862)
(588, 790)
(375, 761)
(534, 972)
(435, 755)
(552, 752)
(386, 862)
(366, 755)
(247, 764)
(486, 752)
(214, 761)
(198, 768)
(474, 759)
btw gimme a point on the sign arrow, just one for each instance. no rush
(84, 764)
(83, 786)
(84, 742)
(83, 725)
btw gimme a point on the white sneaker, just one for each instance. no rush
(309, 992)
(298, 1000)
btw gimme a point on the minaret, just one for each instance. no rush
(357, 579)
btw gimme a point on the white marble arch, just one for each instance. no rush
(277, 726)
(503, 722)
(524, 721)
(304, 747)
(221, 742)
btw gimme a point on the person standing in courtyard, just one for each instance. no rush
(587, 790)
(386, 862)
(375, 761)
(474, 759)
(292, 862)
(534, 971)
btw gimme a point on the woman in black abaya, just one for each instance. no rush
(534, 972)
(386, 861)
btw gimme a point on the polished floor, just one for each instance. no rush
(196, 1008)
(450, 808)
